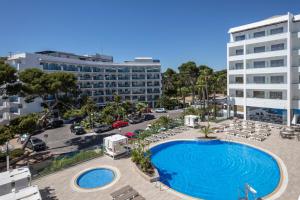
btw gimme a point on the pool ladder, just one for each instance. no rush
(159, 184)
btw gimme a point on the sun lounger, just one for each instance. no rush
(243, 134)
(258, 137)
(121, 191)
(129, 195)
(138, 198)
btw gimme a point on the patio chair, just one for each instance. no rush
(138, 198)
(129, 195)
(243, 134)
(121, 191)
(257, 138)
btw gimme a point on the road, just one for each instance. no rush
(61, 140)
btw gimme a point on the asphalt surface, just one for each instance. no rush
(61, 140)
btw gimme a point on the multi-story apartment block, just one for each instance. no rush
(263, 64)
(98, 77)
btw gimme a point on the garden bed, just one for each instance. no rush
(61, 163)
(149, 177)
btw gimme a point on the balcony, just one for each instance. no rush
(236, 85)
(264, 102)
(266, 54)
(235, 71)
(252, 40)
(237, 100)
(266, 70)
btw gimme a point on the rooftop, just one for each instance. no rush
(271, 20)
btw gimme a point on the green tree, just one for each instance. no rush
(8, 80)
(37, 84)
(169, 80)
(141, 107)
(89, 109)
(206, 130)
(204, 81)
(189, 73)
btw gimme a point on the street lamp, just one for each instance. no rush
(7, 156)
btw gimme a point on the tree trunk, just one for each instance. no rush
(26, 142)
(193, 94)
(215, 105)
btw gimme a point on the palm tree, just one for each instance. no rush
(141, 107)
(169, 82)
(206, 130)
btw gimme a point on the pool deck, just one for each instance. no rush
(60, 186)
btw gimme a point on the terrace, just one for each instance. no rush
(59, 183)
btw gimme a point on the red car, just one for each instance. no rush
(119, 124)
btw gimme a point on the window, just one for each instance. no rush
(239, 51)
(276, 30)
(239, 93)
(238, 66)
(259, 79)
(239, 80)
(277, 63)
(97, 69)
(259, 49)
(275, 95)
(13, 110)
(276, 47)
(240, 37)
(123, 69)
(259, 34)
(277, 79)
(258, 94)
(259, 64)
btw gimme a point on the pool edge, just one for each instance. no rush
(280, 189)
(76, 188)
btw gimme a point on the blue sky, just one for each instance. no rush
(174, 31)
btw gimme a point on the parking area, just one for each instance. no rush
(61, 140)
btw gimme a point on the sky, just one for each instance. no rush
(174, 31)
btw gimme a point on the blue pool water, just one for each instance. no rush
(215, 170)
(95, 178)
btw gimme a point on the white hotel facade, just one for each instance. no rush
(98, 77)
(263, 65)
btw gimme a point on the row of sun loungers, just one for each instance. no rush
(163, 135)
(126, 193)
(249, 129)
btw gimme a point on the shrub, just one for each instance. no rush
(12, 154)
(16, 153)
(67, 161)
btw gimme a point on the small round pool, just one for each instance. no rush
(95, 178)
(215, 170)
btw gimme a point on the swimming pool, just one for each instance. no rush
(215, 170)
(95, 178)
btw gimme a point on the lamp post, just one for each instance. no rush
(7, 156)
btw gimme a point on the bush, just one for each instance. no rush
(73, 114)
(142, 159)
(68, 161)
(12, 154)
(16, 153)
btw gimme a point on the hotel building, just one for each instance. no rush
(98, 77)
(263, 65)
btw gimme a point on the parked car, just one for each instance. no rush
(23, 137)
(148, 117)
(135, 120)
(130, 135)
(55, 123)
(160, 110)
(77, 129)
(102, 128)
(36, 144)
(119, 124)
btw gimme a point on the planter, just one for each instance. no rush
(153, 178)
